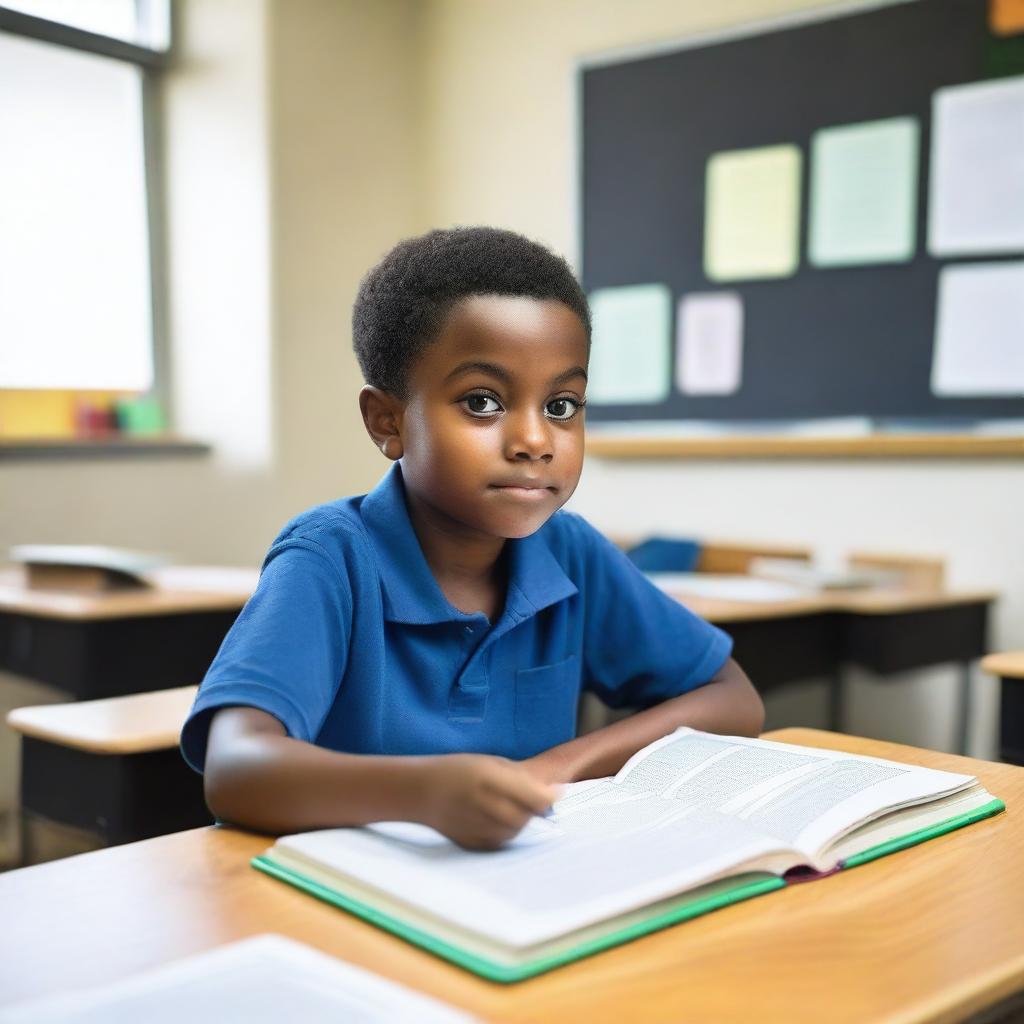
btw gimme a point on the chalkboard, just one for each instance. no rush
(823, 342)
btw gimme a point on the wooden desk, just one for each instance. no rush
(108, 768)
(886, 631)
(1009, 667)
(933, 933)
(106, 645)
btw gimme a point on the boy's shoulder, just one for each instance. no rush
(335, 527)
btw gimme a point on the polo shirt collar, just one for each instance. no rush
(412, 595)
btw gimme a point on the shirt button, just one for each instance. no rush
(469, 629)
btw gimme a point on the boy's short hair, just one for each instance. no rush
(404, 300)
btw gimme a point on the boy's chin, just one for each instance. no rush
(521, 528)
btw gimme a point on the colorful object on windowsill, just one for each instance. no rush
(141, 415)
(94, 418)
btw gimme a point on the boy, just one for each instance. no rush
(417, 653)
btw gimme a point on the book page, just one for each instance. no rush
(556, 878)
(262, 980)
(802, 796)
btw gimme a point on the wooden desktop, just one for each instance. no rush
(109, 644)
(933, 933)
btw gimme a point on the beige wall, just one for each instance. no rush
(329, 128)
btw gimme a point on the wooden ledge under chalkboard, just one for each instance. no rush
(778, 446)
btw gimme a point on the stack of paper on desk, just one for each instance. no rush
(84, 568)
(691, 823)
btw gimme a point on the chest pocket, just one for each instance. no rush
(546, 700)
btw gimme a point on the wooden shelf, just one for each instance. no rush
(114, 446)
(779, 446)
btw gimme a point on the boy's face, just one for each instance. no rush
(492, 432)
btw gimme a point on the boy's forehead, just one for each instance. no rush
(515, 330)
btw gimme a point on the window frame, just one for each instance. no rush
(151, 63)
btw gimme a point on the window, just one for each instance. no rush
(77, 194)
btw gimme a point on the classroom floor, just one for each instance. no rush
(15, 692)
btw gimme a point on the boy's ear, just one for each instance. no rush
(382, 417)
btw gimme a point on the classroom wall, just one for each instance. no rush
(500, 120)
(303, 138)
(288, 138)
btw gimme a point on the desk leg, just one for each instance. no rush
(964, 721)
(835, 701)
(1011, 720)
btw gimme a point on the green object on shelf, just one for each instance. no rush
(140, 415)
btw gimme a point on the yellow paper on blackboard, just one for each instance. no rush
(752, 213)
(630, 354)
(863, 193)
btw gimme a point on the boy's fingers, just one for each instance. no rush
(533, 796)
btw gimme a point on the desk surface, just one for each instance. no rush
(857, 602)
(182, 589)
(1009, 664)
(928, 934)
(132, 724)
(176, 590)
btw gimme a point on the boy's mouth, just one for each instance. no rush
(531, 490)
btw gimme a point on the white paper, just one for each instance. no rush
(709, 343)
(976, 203)
(263, 980)
(725, 587)
(979, 330)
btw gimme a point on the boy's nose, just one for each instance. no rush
(530, 440)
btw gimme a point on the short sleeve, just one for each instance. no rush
(286, 652)
(640, 645)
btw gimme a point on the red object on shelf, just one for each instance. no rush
(93, 419)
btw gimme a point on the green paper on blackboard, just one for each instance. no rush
(630, 355)
(864, 193)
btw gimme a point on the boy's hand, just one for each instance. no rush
(479, 801)
(550, 767)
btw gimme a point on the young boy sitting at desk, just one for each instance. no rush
(417, 653)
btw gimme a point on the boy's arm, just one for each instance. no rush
(728, 704)
(258, 777)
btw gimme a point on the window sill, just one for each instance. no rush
(115, 447)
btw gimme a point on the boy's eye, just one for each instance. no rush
(562, 408)
(482, 405)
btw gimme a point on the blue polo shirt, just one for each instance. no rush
(350, 643)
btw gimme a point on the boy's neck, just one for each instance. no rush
(469, 568)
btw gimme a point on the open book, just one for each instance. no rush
(691, 823)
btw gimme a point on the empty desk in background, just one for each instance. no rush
(1009, 667)
(106, 645)
(928, 934)
(886, 631)
(103, 772)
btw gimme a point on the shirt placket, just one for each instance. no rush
(468, 699)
